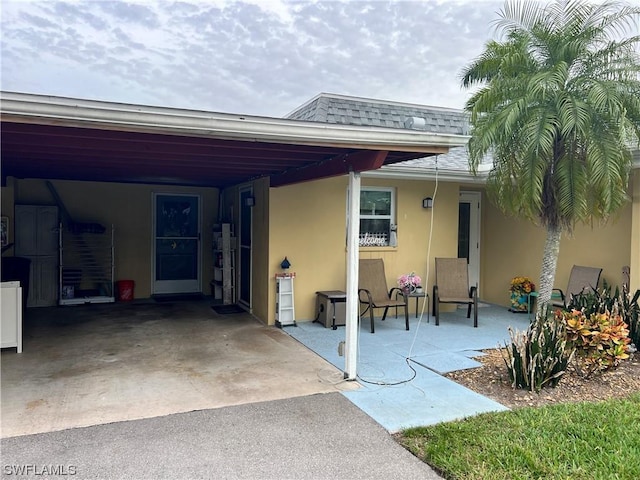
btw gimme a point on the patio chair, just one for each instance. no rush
(452, 286)
(373, 292)
(581, 280)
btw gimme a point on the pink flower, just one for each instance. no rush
(408, 280)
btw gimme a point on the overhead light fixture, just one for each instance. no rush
(427, 202)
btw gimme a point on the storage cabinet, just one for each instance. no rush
(285, 310)
(36, 238)
(11, 315)
(223, 285)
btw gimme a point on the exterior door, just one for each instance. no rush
(176, 244)
(245, 233)
(469, 233)
(37, 239)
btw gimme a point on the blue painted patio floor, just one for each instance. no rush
(401, 372)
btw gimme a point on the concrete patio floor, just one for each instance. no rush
(96, 364)
(401, 372)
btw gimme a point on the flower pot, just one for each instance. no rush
(519, 302)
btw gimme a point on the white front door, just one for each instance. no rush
(176, 243)
(469, 233)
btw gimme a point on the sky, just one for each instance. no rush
(254, 57)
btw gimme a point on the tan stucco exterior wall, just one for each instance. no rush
(512, 247)
(260, 250)
(308, 226)
(129, 208)
(260, 239)
(635, 232)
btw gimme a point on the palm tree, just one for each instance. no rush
(558, 109)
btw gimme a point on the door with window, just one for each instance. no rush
(176, 244)
(469, 233)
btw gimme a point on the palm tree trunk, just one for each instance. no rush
(549, 263)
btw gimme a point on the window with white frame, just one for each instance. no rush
(377, 216)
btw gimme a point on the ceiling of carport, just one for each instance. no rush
(73, 139)
(45, 151)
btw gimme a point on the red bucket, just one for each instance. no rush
(125, 290)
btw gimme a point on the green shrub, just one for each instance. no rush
(632, 318)
(619, 303)
(538, 357)
(600, 339)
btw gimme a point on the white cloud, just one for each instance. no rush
(253, 57)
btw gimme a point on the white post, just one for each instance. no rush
(353, 233)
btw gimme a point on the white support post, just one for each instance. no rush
(352, 314)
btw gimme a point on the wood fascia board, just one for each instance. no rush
(354, 162)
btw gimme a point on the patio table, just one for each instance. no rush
(417, 295)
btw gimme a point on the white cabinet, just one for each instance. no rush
(285, 310)
(11, 315)
(36, 238)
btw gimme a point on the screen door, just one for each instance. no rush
(176, 244)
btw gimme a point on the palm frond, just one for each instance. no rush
(558, 107)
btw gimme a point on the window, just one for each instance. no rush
(377, 216)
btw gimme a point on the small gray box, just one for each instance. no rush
(325, 302)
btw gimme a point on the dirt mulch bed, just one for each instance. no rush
(492, 380)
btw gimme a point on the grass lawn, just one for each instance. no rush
(573, 440)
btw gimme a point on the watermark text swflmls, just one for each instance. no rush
(34, 469)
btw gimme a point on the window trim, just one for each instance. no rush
(391, 216)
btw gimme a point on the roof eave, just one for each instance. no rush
(62, 111)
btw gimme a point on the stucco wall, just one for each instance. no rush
(260, 250)
(128, 207)
(635, 232)
(512, 247)
(308, 226)
(260, 240)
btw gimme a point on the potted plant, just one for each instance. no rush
(520, 288)
(410, 283)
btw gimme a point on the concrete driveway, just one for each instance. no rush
(146, 390)
(96, 364)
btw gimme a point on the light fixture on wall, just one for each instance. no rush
(250, 201)
(427, 202)
(285, 264)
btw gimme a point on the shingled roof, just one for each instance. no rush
(347, 110)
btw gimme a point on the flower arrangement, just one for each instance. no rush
(521, 285)
(409, 281)
(520, 289)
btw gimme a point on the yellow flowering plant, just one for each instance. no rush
(521, 285)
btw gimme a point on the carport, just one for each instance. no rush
(46, 137)
(97, 364)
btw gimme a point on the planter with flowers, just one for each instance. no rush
(410, 283)
(520, 288)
